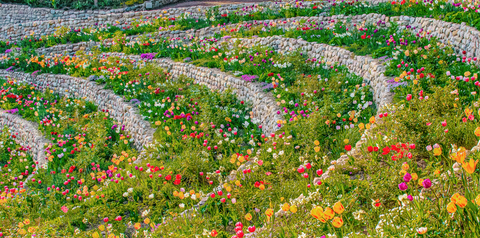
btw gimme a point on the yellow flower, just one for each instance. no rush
(316, 142)
(361, 126)
(22, 231)
(269, 212)
(248, 217)
(293, 208)
(460, 155)
(329, 213)
(338, 207)
(317, 212)
(101, 227)
(337, 222)
(477, 200)
(437, 151)
(451, 207)
(420, 182)
(27, 222)
(405, 166)
(372, 120)
(137, 226)
(414, 176)
(477, 131)
(147, 220)
(262, 187)
(470, 166)
(317, 149)
(286, 207)
(468, 111)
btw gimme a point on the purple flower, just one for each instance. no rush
(407, 177)
(427, 183)
(135, 101)
(148, 56)
(8, 51)
(12, 111)
(403, 186)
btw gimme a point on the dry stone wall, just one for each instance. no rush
(461, 37)
(27, 134)
(17, 31)
(364, 66)
(15, 13)
(121, 111)
(264, 104)
(265, 108)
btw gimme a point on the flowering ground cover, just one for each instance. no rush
(336, 165)
(15, 159)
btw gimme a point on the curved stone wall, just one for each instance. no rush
(16, 13)
(264, 105)
(364, 66)
(121, 111)
(46, 27)
(28, 135)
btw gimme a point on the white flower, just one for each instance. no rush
(181, 205)
(125, 194)
(151, 196)
(130, 190)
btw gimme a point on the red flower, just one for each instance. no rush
(270, 74)
(348, 147)
(168, 177)
(370, 149)
(315, 7)
(386, 150)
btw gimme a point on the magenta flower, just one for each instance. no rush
(403, 186)
(427, 183)
(407, 177)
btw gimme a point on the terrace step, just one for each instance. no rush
(27, 134)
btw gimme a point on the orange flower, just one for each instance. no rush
(468, 111)
(477, 200)
(338, 207)
(461, 201)
(317, 212)
(329, 213)
(460, 155)
(269, 212)
(451, 207)
(248, 217)
(137, 226)
(470, 166)
(477, 131)
(337, 222)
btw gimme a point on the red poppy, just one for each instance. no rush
(348, 147)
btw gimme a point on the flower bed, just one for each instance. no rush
(318, 126)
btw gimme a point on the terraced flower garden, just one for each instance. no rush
(276, 119)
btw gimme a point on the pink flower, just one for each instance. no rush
(403, 186)
(260, 162)
(64, 209)
(427, 183)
